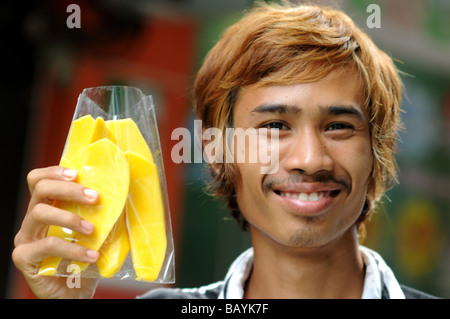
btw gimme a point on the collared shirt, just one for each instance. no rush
(378, 276)
(379, 282)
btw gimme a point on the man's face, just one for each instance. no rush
(325, 160)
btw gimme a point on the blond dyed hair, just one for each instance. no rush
(283, 44)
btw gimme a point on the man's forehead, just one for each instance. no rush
(333, 95)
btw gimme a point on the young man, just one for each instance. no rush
(332, 98)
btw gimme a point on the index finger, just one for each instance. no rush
(52, 172)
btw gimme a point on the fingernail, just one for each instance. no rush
(87, 225)
(69, 173)
(92, 254)
(91, 194)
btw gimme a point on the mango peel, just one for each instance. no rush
(113, 158)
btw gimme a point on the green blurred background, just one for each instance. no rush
(158, 46)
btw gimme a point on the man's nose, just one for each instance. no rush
(308, 153)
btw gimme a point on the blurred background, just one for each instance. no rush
(158, 46)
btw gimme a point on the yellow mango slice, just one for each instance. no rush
(129, 137)
(145, 218)
(115, 249)
(79, 136)
(113, 158)
(102, 167)
(83, 132)
(101, 131)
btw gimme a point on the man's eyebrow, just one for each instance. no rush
(293, 110)
(277, 108)
(343, 110)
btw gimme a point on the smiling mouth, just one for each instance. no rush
(308, 197)
(306, 202)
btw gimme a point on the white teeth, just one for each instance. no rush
(311, 197)
(303, 196)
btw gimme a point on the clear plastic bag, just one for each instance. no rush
(113, 143)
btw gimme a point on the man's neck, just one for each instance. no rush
(331, 272)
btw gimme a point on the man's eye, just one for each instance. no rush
(339, 126)
(275, 125)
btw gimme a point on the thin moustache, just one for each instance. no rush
(271, 182)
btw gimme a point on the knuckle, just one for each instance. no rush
(41, 186)
(17, 239)
(16, 256)
(73, 219)
(32, 177)
(50, 243)
(38, 211)
(78, 251)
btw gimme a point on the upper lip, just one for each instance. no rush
(306, 188)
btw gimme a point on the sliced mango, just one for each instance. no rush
(101, 131)
(145, 218)
(80, 135)
(129, 138)
(115, 249)
(102, 167)
(113, 158)
(83, 132)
